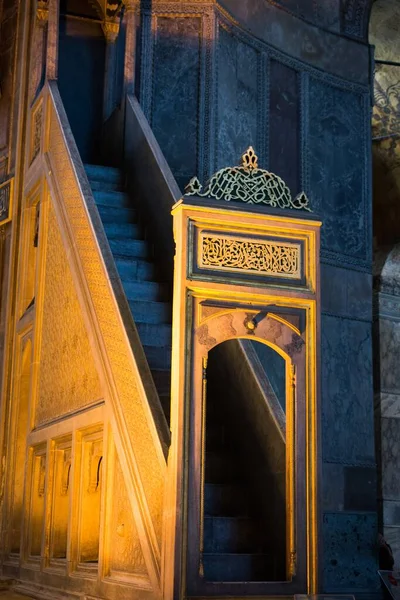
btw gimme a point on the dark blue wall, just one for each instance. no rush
(301, 96)
(81, 80)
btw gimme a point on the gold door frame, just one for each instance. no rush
(203, 297)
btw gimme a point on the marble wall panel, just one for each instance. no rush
(390, 457)
(392, 536)
(387, 404)
(346, 293)
(350, 552)
(327, 51)
(347, 402)
(176, 76)
(238, 99)
(391, 513)
(389, 353)
(337, 163)
(348, 488)
(284, 130)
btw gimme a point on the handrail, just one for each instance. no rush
(151, 181)
(264, 388)
(140, 430)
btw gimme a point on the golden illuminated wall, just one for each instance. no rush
(68, 378)
(84, 507)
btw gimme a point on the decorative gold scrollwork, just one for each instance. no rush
(278, 259)
(36, 131)
(6, 189)
(248, 183)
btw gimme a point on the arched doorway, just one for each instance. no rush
(244, 525)
(247, 440)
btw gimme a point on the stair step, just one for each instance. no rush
(124, 230)
(155, 335)
(238, 567)
(231, 534)
(162, 380)
(116, 199)
(220, 468)
(135, 270)
(105, 186)
(107, 174)
(112, 214)
(134, 248)
(158, 357)
(150, 312)
(143, 290)
(222, 499)
(215, 435)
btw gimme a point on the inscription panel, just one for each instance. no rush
(252, 256)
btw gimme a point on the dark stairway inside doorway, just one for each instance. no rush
(144, 289)
(238, 543)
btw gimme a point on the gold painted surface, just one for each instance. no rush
(258, 257)
(129, 403)
(36, 131)
(126, 556)
(90, 498)
(68, 378)
(60, 501)
(6, 195)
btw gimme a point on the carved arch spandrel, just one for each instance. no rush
(278, 333)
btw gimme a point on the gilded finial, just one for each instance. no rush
(250, 159)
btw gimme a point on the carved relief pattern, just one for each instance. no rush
(67, 379)
(126, 552)
(5, 198)
(42, 475)
(36, 131)
(131, 404)
(66, 471)
(95, 460)
(339, 186)
(273, 258)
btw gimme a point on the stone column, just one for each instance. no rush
(111, 30)
(130, 46)
(387, 393)
(52, 39)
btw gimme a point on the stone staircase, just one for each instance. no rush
(144, 289)
(235, 539)
(234, 548)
